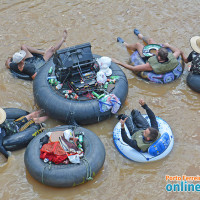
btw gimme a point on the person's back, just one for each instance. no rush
(164, 62)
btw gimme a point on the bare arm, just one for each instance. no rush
(34, 75)
(176, 51)
(144, 67)
(184, 57)
(150, 114)
(7, 63)
(125, 138)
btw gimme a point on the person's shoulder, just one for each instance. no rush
(13, 65)
(29, 65)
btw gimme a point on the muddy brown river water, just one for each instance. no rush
(40, 24)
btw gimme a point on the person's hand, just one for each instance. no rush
(122, 121)
(8, 62)
(115, 61)
(142, 102)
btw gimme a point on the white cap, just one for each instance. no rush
(18, 56)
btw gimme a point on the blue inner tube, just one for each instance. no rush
(193, 81)
(83, 111)
(135, 155)
(21, 139)
(37, 60)
(157, 78)
(66, 175)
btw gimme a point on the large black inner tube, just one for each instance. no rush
(193, 81)
(84, 112)
(66, 175)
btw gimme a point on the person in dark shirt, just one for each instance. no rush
(142, 135)
(20, 60)
(194, 56)
(10, 127)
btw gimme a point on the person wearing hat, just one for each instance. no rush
(160, 63)
(20, 60)
(194, 56)
(10, 127)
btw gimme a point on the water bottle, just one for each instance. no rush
(114, 77)
(75, 96)
(52, 81)
(50, 71)
(46, 160)
(59, 86)
(111, 81)
(51, 77)
(80, 138)
(95, 94)
(106, 85)
(67, 92)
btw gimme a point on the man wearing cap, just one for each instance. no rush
(20, 60)
(10, 127)
(194, 56)
(162, 62)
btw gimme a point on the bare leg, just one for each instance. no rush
(32, 115)
(40, 119)
(29, 50)
(35, 116)
(137, 46)
(145, 39)
(52, 50)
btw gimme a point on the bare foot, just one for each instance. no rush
(64, 35)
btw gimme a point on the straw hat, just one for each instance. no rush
(2, 115)
(195, 43)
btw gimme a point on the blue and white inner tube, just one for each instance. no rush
(158, 150)
(168, 77)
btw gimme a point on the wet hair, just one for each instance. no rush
(163, 53)
(153, 133)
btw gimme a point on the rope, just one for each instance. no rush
(88, 169)
(49, 165)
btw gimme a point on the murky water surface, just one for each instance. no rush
(40, 24)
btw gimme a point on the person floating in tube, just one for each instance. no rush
(142, 134)
(194, 56)
(10, 127)
(160, 63)
(19, 63)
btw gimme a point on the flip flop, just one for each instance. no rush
(136, 31)
(120, 40)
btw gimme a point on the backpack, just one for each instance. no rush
(10, 127)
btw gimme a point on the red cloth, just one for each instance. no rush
(54, 152)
